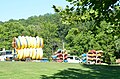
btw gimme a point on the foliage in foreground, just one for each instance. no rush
(97, 22)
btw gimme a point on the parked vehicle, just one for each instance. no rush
(74, 59)
(44, 60)
(6, 55)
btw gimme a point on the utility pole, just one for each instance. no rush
(63, 44)
(63, 50)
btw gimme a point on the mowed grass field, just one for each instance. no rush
(53, 70)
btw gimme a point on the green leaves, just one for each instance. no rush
(55, 8)
(86, 10)
(117, 7)
(102, 34)
(69, 0)
(98, 38)
(92, 11)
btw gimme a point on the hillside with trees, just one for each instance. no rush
(47, 26)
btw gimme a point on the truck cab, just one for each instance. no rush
(73, 59)
(6, 55)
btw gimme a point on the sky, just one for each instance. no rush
(22, 9)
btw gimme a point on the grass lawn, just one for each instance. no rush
(52, 70)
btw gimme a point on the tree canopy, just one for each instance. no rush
(97, 25)
(82, 10)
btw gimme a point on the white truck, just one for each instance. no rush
(73, 59)
(6, 55)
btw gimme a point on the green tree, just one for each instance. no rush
(82, 10)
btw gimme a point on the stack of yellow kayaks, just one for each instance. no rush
(28, 47)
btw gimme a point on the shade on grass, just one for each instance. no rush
(52, 70)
